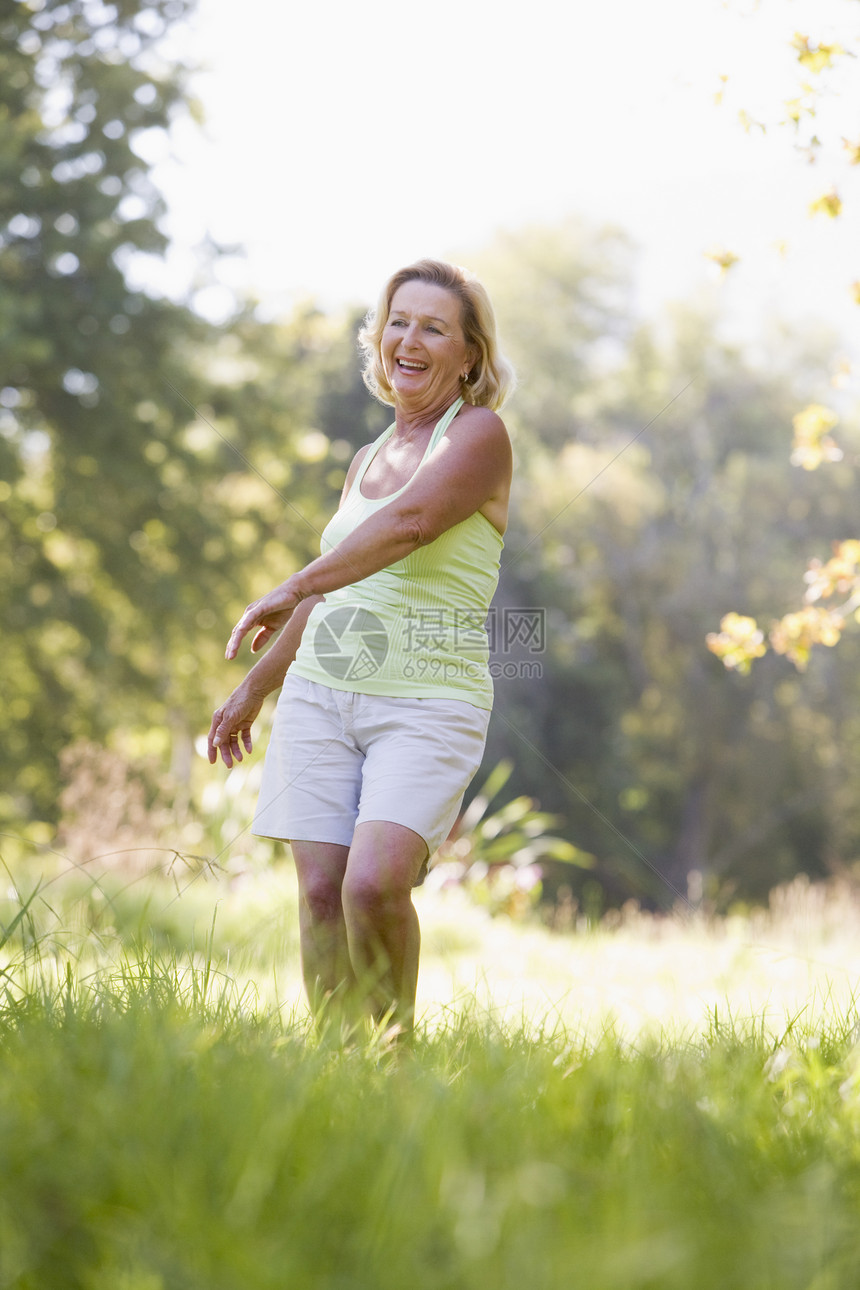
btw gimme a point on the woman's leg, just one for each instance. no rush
(326, 966)
(381, 923)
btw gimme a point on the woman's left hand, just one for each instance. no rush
(268, 615)
(232, 721)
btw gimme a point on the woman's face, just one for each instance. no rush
(424, 351)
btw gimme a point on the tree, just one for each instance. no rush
(113, 529)
(819, 115)
(563, 297)
(630, 541)
(157, 472)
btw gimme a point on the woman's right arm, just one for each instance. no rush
(241, 709)
(234, 718)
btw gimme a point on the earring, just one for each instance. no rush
(465, 376)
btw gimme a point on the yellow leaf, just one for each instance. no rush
(748, 122)
(795, 634)
(814, 420)
(838, 575)
(829, 204)
(738, 642)
(815, 57)
(722, 258)
(855, 291)
(812, 443)
(796, 108)
(853, 150)
(842, 373)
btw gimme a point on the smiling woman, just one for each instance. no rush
(383, 715)
(423, 346)
(488, 377)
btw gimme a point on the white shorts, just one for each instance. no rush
(336, 759)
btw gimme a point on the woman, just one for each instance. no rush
(382, 719)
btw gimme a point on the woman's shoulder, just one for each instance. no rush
(481, 430)
(354, 468)
(484, 420)
(359, 457)
(478, 437)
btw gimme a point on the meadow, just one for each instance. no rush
(639, 1102)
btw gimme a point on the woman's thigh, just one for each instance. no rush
(321, 868)
(385, 857)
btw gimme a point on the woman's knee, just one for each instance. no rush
(320, 868)
(384, 861)
(372, 892)
(321, 896)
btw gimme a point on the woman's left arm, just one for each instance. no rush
(467, 469)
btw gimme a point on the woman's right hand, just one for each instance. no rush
(232, 721)
(268, 615)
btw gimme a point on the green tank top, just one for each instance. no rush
(417, 628)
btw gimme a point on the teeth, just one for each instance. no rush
(416, 367)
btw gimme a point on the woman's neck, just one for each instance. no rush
(409, 423)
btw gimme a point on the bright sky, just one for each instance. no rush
(344, 139)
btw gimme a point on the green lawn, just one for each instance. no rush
(650, 1104)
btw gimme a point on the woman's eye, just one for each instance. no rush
(435, 329)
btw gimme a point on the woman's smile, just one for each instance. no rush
(423, 347)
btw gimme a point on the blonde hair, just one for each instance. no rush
(492, 376)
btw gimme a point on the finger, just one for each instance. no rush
(235, 640)
(229, 747)
(261, 637)
(244, 625)
(212, 740)
(221, 738)
(246, 740)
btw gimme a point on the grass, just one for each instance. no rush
(800, 957)
(654, 1104)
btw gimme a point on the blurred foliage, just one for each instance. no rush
(159, 472)
(104, 540)
(817, 112)
(514, 834)
(498, 855)
(153, 477)
(821, 116)
(634, 541)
